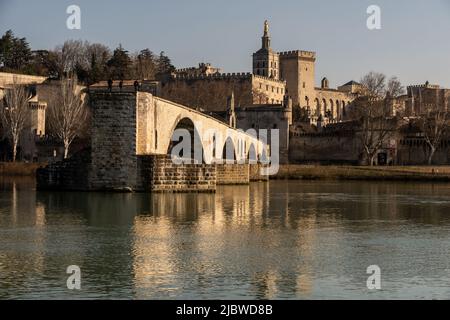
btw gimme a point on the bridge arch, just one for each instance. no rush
(181, 127)
(229, 152)
(252, 155)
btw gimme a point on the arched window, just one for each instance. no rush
(332, 110)
(318, 109)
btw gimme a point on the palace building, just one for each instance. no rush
(274, 75)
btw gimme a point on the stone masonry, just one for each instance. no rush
(129, 151)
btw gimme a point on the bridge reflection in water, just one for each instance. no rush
(266, 240)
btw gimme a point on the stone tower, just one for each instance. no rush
(266, 62)
(298, 69)
(37, 114)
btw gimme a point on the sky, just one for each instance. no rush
(412, 44)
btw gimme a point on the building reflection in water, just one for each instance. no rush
(267, 240)
(191, 244)
(20, 211)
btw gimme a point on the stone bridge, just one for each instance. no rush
(132, 143)
(157, 120)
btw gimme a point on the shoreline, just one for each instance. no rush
(364, 173)
(19, 169)
(302, 172)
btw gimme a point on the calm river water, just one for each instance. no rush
(277, 240)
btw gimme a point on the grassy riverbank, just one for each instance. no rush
(304, 172)
(18, 169)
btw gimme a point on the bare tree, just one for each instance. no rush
(67, 113)
(259, 97)
(15, 113)
(434, 126)
(374, 85)
(71, 54)
(394, 87)
(376, 125)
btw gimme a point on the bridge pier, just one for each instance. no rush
(131, 135)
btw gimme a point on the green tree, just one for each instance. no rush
(145, 65)
(165, 65)
(119, 64)
(44, 63)
(99, 55)
(15, 53)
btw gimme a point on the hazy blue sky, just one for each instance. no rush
(414, 42)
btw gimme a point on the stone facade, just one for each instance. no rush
(233, 174)
(275, 75)
(8, 78)
(203, 69)
(298, 69)
(268, 117)
(424, 98)
(114, 161)
(255, 172)
(131, 137)
(71, 174)
(35, 127)
(325, 148)
(209, 92)
(160, 174)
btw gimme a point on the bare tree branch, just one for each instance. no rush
(67, 113)
(15, 113)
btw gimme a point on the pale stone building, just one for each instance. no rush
(36, 123)
(274, 75)
(426, 97)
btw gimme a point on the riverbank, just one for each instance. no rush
(19, 169)
(403, 173)
(301, 172)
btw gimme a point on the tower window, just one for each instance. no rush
(304, 85)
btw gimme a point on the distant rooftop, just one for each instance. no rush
(352, 83)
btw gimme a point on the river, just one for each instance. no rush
(277, 240)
